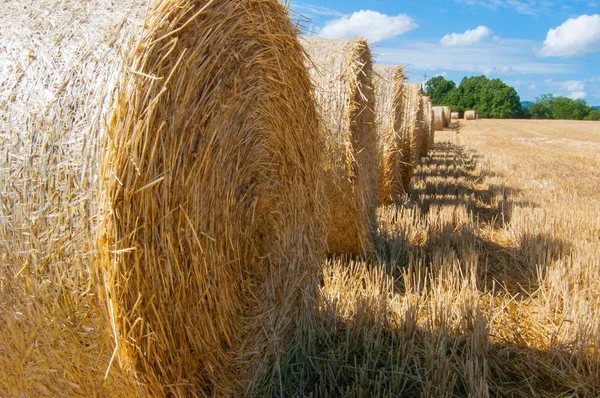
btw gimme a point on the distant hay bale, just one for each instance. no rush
(469, 115)
(342, 72)
(426, 126)
(173, 150)
(394, 141)
(430, 121)
(455, 116)
(411, 124)
(440, 118)
(447, 115)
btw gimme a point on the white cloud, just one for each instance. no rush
(468, 38)
(577, 36)
(311, 10)
(575, 95)
(574, 89)
(528, 7)
(505, 57)
(573, 86)
(371, 25)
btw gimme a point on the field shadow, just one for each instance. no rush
(455, 213)
(377, 352)
(369, 335)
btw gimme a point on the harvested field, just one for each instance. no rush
(487, 280)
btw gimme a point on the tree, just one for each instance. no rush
(593, 115)
(490, 98)
(540, 110)
(437, 87)
(548, 106)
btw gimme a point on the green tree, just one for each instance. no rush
(437, 87)
(593, 115)
(548, 106)
(568, 109)
(540, 110)
(489, 98)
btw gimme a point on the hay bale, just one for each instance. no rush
(394, 141)
(430, 121)
(172, 149)
(425, 129)
(342, 72)
(469, 115)
(413, 116)
(440, 118)
(447, 115)
(455, 116)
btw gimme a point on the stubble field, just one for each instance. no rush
(487, 281)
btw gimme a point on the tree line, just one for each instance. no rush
(492, 98)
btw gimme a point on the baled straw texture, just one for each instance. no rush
(204, 147)
(426, 125)
(410, 126)
(420, 133)
(342, 71)
(429, 120)
(455, 116)
(440, 118)
(394, 142)
(59, 61)
(469, 115)
(447, 115)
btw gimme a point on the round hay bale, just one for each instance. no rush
(411, 122)
(469, 115)
(430, 122)
(342, 72)
(447, 115)
(394, 142)
(440, 118)
(173, 149)
(418, 132)
(455, 116)
(426, 126)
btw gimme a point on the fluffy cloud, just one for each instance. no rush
(371, 25)
(504, 57)
(468, 38)
(528, 7)
(575, 95)
(577, 36)
(573, 86)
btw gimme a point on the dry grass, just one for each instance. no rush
(488, 278)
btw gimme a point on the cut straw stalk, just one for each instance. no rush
(195, 122)
(395, 142)
(342, 72)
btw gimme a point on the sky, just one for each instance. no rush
(536, 46)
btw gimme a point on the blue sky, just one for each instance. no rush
(537, 46)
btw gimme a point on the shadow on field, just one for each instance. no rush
(409, 324)
(455, 214)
